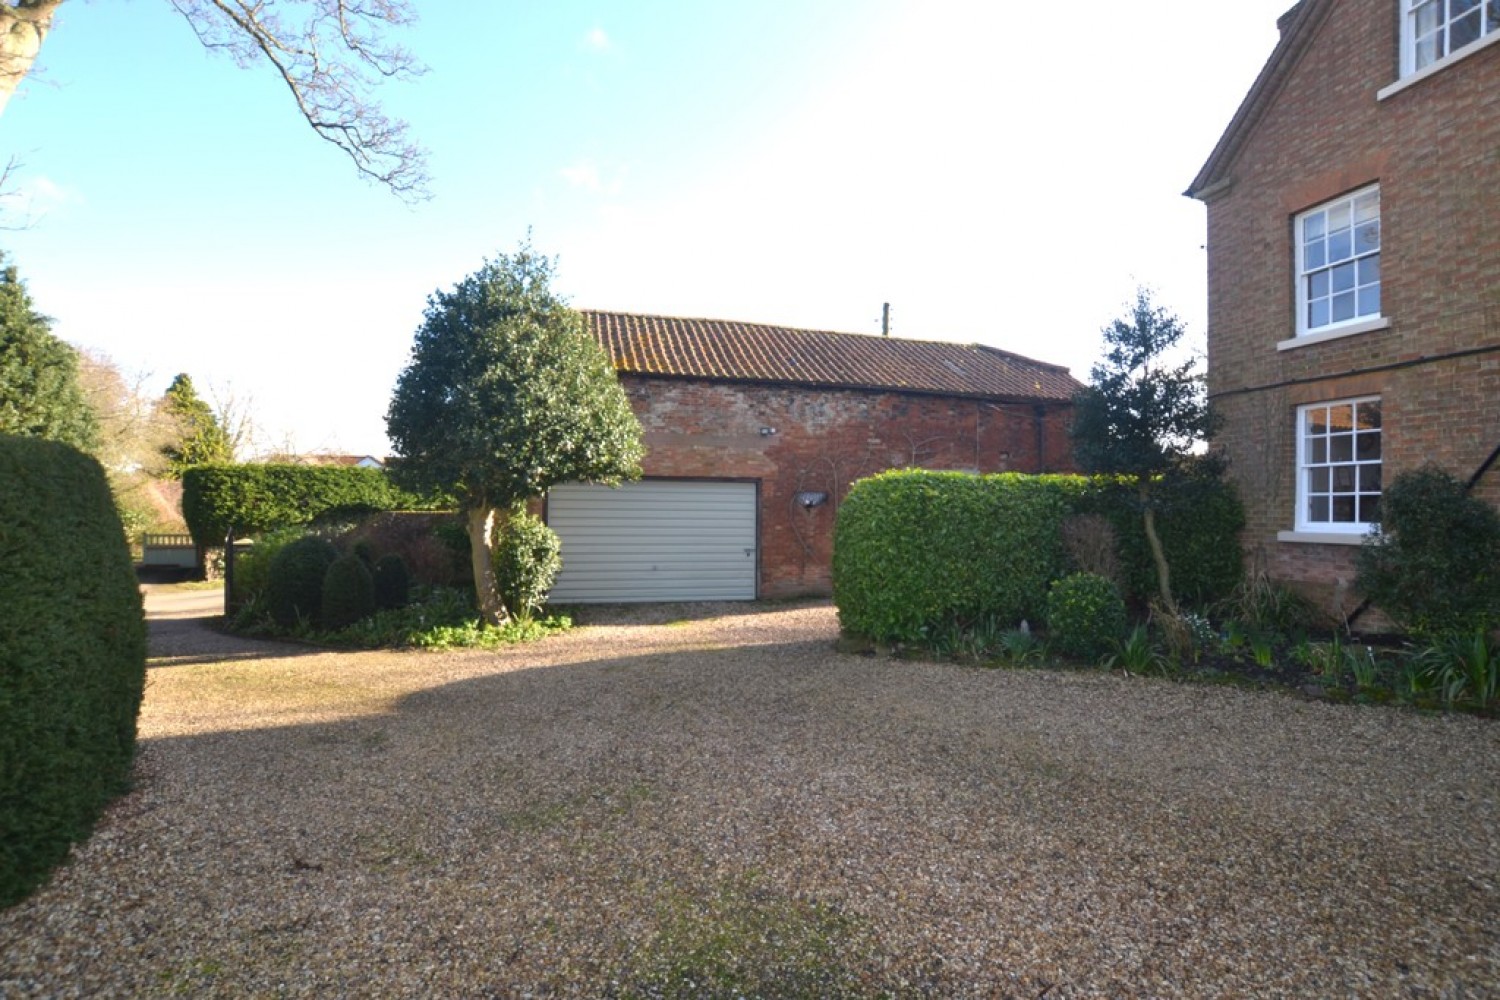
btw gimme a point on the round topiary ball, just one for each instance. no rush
(1085, 616)
(348, 592)
(294, 590)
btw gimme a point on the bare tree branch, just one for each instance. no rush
(331, 55)
(332, 92)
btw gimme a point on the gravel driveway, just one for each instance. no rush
(711, 794)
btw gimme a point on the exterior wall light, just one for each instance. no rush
(809, 499)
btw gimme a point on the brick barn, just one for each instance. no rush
(754, 434)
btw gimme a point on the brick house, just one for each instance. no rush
(1354, 273)
(754, 434)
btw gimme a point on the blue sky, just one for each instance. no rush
(997, 181)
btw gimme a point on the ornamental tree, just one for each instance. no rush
(1141, 415)
(40, 395)
(506, 395)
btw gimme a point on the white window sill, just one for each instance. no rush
(1348, 330)
(1437, 67)
(1322, 537)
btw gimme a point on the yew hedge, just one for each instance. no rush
(72, 656)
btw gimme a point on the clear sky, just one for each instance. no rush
(998, 179)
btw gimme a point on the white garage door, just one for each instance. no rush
(654, 540)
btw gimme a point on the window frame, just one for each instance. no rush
(1358, 321)
(1302, 522)
(1489, 19)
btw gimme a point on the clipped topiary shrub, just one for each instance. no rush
(72, 656)
(1433, 564)
(348, 592)
(294, 591)
(392, 582)
(527, 559)
(1085, 616)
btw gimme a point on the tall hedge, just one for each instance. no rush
(246, 499)
(1199, 518)
(72, 656)
(915, 549)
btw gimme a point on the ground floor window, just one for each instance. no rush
(1338, 465)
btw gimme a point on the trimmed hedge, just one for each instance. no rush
(245, 499)
(915, 550)
(72, 656)
(1199, 518)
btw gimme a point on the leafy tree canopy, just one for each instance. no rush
(202, 439)
(1142, 415)
(40, 394)
(506, 395)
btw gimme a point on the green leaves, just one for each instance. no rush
(915, 551)
(40, 395)
(1434, 563)
(507, 394)
(72, 656)
(218, 499)
(1140, 414)
(202, 438)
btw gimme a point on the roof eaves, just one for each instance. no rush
(782, 383)
(1296, 36)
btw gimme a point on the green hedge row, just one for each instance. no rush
(914, 550)
(246, 499)
(72, 656)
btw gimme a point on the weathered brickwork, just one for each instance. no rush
(1434, 149)
(795, 439)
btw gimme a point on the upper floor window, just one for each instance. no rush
(1434, 29)
(1338, 262)
(1339, 466)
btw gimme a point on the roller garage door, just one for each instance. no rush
(655, 540)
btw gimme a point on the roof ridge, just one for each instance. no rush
(875, 337)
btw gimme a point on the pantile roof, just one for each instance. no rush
(753, 352)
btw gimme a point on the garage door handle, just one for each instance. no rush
(749, 553)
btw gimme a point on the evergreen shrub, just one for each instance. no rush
(1085, 616)
(348, 592)
(527, 559)
(1433, 564)
(294, 590)
(72, 656)
(392, 582)
(249, 499)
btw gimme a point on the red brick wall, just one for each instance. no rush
(823, 441)
(1434, 148)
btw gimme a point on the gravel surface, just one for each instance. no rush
(710, 800)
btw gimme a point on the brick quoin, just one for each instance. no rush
(793, 439)
(1321, 131)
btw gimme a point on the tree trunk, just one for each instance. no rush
(481, 537)
(23, 27)
(1158, 555)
